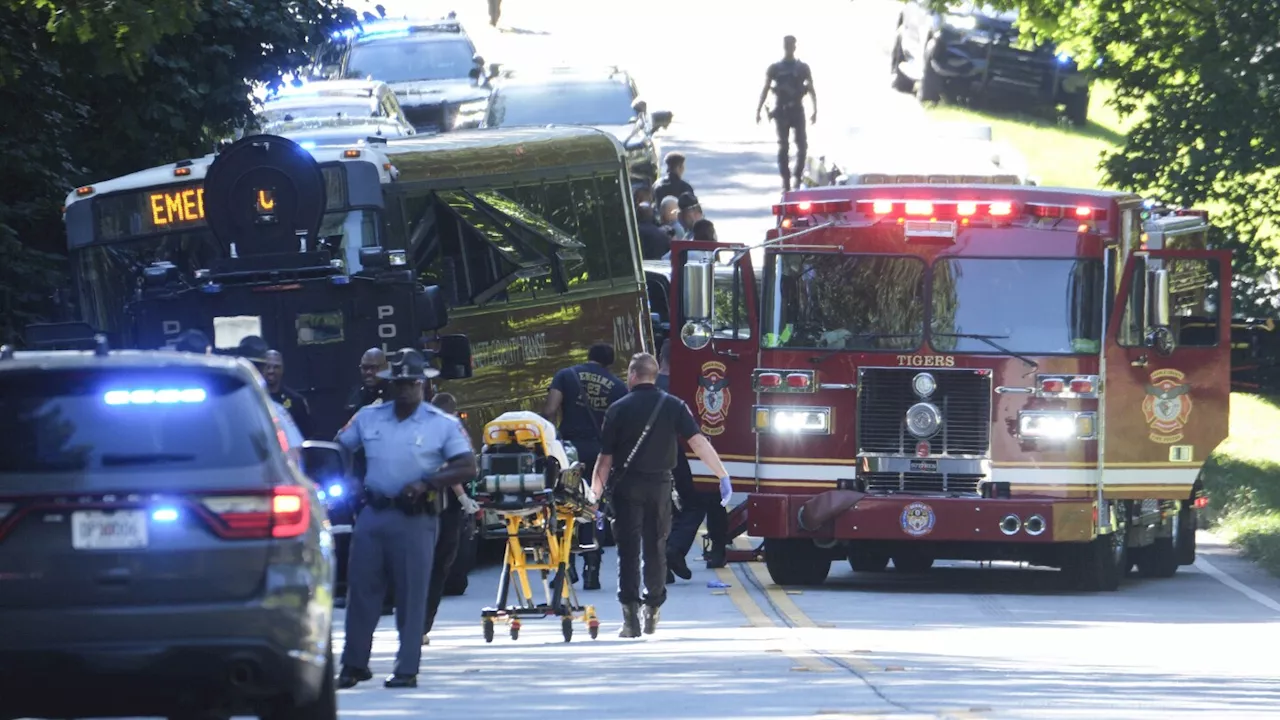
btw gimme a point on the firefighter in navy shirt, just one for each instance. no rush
(580, 395)
(789, 80)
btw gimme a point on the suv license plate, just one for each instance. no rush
(97, 530)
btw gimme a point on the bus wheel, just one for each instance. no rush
(796, 561)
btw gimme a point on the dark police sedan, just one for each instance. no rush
(160, 551)
(973, 50)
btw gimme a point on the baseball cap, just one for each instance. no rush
(688, 200)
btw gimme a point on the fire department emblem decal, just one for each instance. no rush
(918, 519)
(713, 398)
(1167, 406)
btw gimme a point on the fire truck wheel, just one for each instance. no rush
(1098, 565)
(1159, 560)
(796, 561)
(862, 561)
(1184, 535)
(901, 82)
(912, 563)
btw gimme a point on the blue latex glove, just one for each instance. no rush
(726, 491)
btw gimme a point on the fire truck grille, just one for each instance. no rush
(921, 484)
(963, 396)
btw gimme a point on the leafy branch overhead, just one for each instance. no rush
(1201, 79)
(91, 89)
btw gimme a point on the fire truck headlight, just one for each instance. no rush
(793, 420)
(1058, 425)
(923, 419)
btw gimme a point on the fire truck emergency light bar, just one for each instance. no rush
(936, 210)
(785, 381)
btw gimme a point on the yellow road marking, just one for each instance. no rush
(793, 613)
(756, 615)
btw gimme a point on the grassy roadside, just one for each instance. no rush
(1059, 155)
(1243, 476)
(1243, 480)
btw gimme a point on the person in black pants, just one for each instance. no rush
(640, 434)
(580, 395)
(789, 80)
(453, 523)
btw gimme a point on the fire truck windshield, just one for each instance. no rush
(1032, 306)
(878, 302)
(845, 302)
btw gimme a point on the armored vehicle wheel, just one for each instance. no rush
(566, 628)
(488, 630)
(901, 82)
(929, 86)
(796, 561)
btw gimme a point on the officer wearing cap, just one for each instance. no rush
(195, 341)
(414, 452)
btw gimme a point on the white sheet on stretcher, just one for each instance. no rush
(547, 429)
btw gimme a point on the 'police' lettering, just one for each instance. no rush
(926, 361)
(386, 311)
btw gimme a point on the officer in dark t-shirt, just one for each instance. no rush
(789, 80)
(580, 395)
(641, 487)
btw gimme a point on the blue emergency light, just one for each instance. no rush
(164, 515)
(163, 396)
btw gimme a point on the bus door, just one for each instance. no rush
(1166, 376)
(715, 346)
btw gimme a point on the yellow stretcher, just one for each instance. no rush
(534, 483)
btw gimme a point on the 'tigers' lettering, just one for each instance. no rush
(926, 361)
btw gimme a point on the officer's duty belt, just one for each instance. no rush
(426, 504)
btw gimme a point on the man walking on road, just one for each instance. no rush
(642, 431)
(580, 395)
(415, 452)
(790, 80)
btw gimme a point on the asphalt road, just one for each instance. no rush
(961, 641)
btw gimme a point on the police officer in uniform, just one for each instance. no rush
(640, 440)
(415, 451)
(373, 390)
(790, 80)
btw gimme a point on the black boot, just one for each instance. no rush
(716, 557)
(651, 615)
(591, 573)
(630, 621)
(680, 568)
(573, 570)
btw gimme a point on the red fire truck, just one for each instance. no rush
(919, 372)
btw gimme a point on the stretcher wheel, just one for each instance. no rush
(566, 628)
(515, 632)
(488, 630)
(593, 629)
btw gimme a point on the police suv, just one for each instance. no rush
(160, 552)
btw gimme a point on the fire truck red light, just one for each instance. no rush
(919, 207)
(966, 208)
(1084, 228)
(1052, 386)
(1000, 209)
(1084, 212)
(797, 381)
(1202, 502)
(805, 206)
(882, 207)
(770, 380)
(1080, 387)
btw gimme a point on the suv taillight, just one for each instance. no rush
(283, 512)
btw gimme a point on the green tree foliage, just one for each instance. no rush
(1202, 80)
(91, 89)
